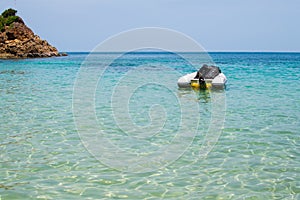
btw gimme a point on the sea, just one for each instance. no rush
(116, 126)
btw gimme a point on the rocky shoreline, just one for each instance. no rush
(19, 41)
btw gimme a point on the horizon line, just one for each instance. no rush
(211, 51)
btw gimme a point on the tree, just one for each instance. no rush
(9, 12)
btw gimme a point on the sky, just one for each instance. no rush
(218, 25)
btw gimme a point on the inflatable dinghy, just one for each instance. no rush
(206, 77)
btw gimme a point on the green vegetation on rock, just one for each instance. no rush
(7, 18)
(11, 19)
(9, 12)
(2, 24)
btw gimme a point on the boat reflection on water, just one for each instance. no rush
(200, 95)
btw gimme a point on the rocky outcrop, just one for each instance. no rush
(19, 41)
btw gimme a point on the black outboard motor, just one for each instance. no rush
(202, 84)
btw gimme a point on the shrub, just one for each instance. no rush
(1, 28)
(2, 23)
(11, 19)
(8, 17)
(9, 12)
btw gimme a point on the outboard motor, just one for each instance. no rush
(202, 84)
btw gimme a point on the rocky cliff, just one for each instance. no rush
(19, 41)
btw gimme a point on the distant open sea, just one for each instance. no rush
(257, 155)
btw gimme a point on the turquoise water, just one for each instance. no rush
(256, 155)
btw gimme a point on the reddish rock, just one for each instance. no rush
(19, 41)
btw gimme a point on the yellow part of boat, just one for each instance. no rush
(198, 86)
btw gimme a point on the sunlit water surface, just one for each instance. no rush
(256, 156)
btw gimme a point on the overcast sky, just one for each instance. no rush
(218, 25)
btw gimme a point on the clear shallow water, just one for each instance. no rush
(256, 156)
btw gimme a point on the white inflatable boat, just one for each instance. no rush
(205, 78)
